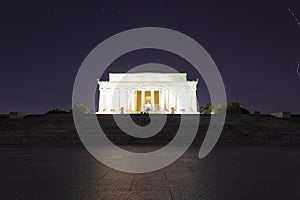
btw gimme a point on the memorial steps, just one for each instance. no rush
(238, 129)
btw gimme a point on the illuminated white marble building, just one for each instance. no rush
(147, 92)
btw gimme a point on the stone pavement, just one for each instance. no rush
(228, 172)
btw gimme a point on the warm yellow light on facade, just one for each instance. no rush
(130, 93)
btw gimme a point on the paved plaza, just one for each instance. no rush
(228, 172)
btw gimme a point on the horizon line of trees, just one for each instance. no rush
(231, 108)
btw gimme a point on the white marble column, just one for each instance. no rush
(122, 100)
(133, 100)
(161, 100)
(194, 100)
(101, 100)
(172, 100)
(191, 99)
(125, 100)
(152, 99)
(182, 100)
(188, 101)
(167, 99)
(178, 102)
(108, 99)
(128, 100)
(115, 96)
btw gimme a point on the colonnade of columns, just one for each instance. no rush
(161, 100)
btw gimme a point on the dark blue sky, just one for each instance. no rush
(255, 44)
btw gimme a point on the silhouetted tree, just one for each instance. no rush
(57, 111)
(232, 108)
(80, 108)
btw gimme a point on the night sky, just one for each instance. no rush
(255, 44)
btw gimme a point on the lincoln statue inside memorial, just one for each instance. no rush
(127, 93)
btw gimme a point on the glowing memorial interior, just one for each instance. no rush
(128, 93)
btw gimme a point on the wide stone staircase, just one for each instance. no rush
(238, 129)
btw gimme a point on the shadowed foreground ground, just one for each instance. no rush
(229, 172)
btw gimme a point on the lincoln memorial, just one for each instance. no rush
(129, 93)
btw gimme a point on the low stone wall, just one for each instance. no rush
(238, 129)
